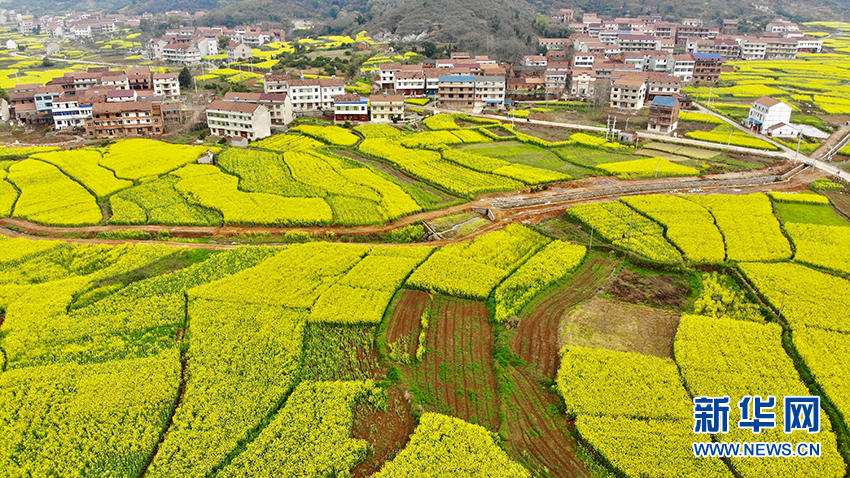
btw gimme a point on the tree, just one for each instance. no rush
(223, 41)
(430, 49)
(541, 23)
(185, 78)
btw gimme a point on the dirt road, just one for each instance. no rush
(548, 205)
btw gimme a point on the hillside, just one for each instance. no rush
(507, 21)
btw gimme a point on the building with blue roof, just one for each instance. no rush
(663, 115)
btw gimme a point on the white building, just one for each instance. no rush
(782, 130)
(278, 104)
(115, 80)
(628, 93)
(683, 66)
(166, 85)
(238, 119)
(82, 31)
(767, 112)
(68, 112)
(315, 94)
(207, 46)
(27, 27)
(183, 53)
(489, 90)
(535, 60)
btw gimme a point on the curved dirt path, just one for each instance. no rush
(15, 227)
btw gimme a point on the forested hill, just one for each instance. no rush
(497, 27)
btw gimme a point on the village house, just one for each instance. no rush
(126, 118)
(278, 104)
(386, 108)
(166, 85)
(663, 115)
(628, 93)
(351, 108)
(770, 117)
(247, 120)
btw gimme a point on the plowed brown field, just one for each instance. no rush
(536, 339)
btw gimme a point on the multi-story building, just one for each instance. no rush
(166, 85)
(129, 118)
(583, 60)
(564, 15)
(43, 97)
(82, 31)
(155, 46)
(781, 49)
(634, 43)
(656, 60)
(238, 119)
(55, 31)
(410, 83)
(181, 53)
(116, 80)
(139, 78)
(208, 46)
(582, 83)
(628, 93)
(273, 83)
(767, 112)
(535, 61)
(315, 94)
(432, 79)
(707, 67)
(663, 114)
(278, 104)
(809, 45)
(351, 108)
(730, 26)
(386, 108)
(683, 66)
(71, 111)
(27, 27)
(753, 48)
(662, 84)
(556, 82)
(386, 75)
(456, 91)
(489, 90)
(238, 52)
(554, 43)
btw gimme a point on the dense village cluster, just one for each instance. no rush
(626, 63)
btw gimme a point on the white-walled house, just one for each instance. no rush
(236, 118)
(782, 130)
(767, 112)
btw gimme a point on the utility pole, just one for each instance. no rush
(710, 89)
(799, 139)
(656, 168)
(627, 124)
(591, 240)
(631, 222)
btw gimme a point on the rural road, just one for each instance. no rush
(550, 203)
